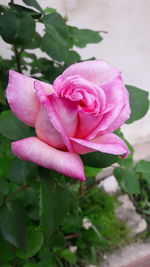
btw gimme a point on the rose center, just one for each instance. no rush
(90, 97)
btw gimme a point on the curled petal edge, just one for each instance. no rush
(108, 143)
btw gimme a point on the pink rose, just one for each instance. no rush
(75, 115)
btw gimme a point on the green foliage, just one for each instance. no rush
(13, 128)
(106, 231)
(142, 198)
(135, 180)
(34, 244)
(4, 187)
(20, 27)
(128, 180)
(34, 4)
(34, 14)
(13, 223)
(6, 251)
(98, 159)
(143, 167)
(139, 103)
(68, 255)
(90, 172)
(27, 171)
(6, 156)
(2, 97)
(42, 212)
(54, 42)
(53, 204)
(58, 41)
(81, 37)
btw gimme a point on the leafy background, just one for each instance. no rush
(42, 212)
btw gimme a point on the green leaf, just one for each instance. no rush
(30, 265)
(46, 67)
(57, 239)
(34, 243)
(47, 207)
(90, 171)
(8, 21)
(143, 167)
(6, 157)
(35, 42)
(98, 159)
(53, 204)
(32, 194)
(25, 30)
(13, 128)
(2, 96)
(72, 223)
(27, 171)
(42, 64)
(20, 8)
(127, 162)
(139, 103)
(47, 258)
(33, 213)
(54, 45)
(82, 37)
(4, 187)
(1, 200)
(61, 204)
(128, 180)
(29, 55)
(13, 223)
(72, 58)
(51, 263)
(68, 255)
(56, 21)
(7, 253)
(20, 29)
(35, 4)
(54, 42)
(49, 10)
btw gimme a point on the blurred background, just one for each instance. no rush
(125, 45)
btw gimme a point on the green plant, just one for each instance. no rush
(41, 211)
(135, 181)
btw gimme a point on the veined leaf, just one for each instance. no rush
(139, 103)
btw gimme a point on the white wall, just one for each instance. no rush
(126, 45)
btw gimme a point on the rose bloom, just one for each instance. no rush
(76, 115)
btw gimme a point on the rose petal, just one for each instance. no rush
(73, 85)
(87, 124)
(62, 114)
(117, 109)
(108, 143)
(66, 112)
(95, 71)
(117, 95)
(123, 115)
(22, 98)
(46, 131)
(34, 150)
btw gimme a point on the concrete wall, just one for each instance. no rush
(126, 46)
